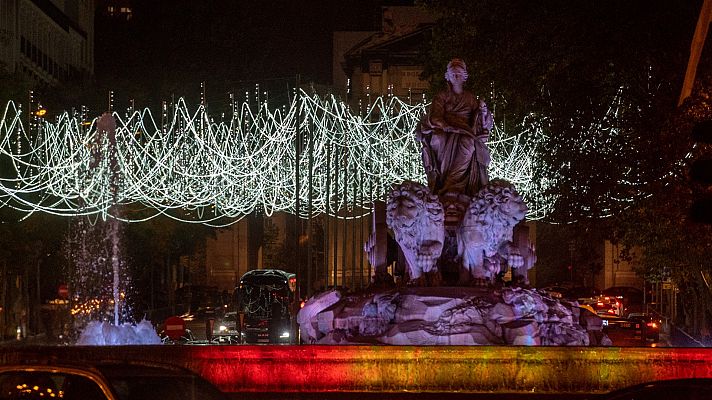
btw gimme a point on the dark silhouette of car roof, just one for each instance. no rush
(687, 388)
(129, 379)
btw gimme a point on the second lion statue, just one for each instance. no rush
(485, 237)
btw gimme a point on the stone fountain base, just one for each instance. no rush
(448, 316)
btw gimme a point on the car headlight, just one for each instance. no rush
(222, 328)
(284, 335)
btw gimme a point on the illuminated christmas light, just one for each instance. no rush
(193, 169)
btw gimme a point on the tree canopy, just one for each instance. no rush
(599, 78)
(672, 244)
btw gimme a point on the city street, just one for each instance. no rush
(355, 200)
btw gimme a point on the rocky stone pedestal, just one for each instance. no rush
(448, 316)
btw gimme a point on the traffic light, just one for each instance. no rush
(701, 173)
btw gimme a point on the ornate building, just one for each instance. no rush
(385, 62)
(48, 40)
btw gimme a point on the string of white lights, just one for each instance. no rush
(191, 168)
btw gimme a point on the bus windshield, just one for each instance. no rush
(265, 297)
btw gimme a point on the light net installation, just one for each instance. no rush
(185, 165)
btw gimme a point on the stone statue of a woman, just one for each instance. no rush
(453, 135)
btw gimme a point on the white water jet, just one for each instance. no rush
(99, 333)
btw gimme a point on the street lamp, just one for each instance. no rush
(41, 111)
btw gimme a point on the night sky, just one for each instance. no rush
(172, 46)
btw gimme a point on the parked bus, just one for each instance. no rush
(265, 298)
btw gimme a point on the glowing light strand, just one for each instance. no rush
(193, 169)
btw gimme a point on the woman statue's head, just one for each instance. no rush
(456, 73)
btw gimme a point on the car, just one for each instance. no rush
(604, 306)
(200, 321)
(672, 389)
(614, 322)
(103, 381)
(588, 308)
(557, 292)
(227, 329)
(580, 293)
(648, 325)
(627, 294)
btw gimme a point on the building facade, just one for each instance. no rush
(619, 271)
(385, 62)
(337, 254)
(49, 41)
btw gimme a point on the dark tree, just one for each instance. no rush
(599, 78)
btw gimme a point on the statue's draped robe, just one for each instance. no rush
(455, 161)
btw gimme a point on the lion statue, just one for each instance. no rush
(484, 239)
(417, 220)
